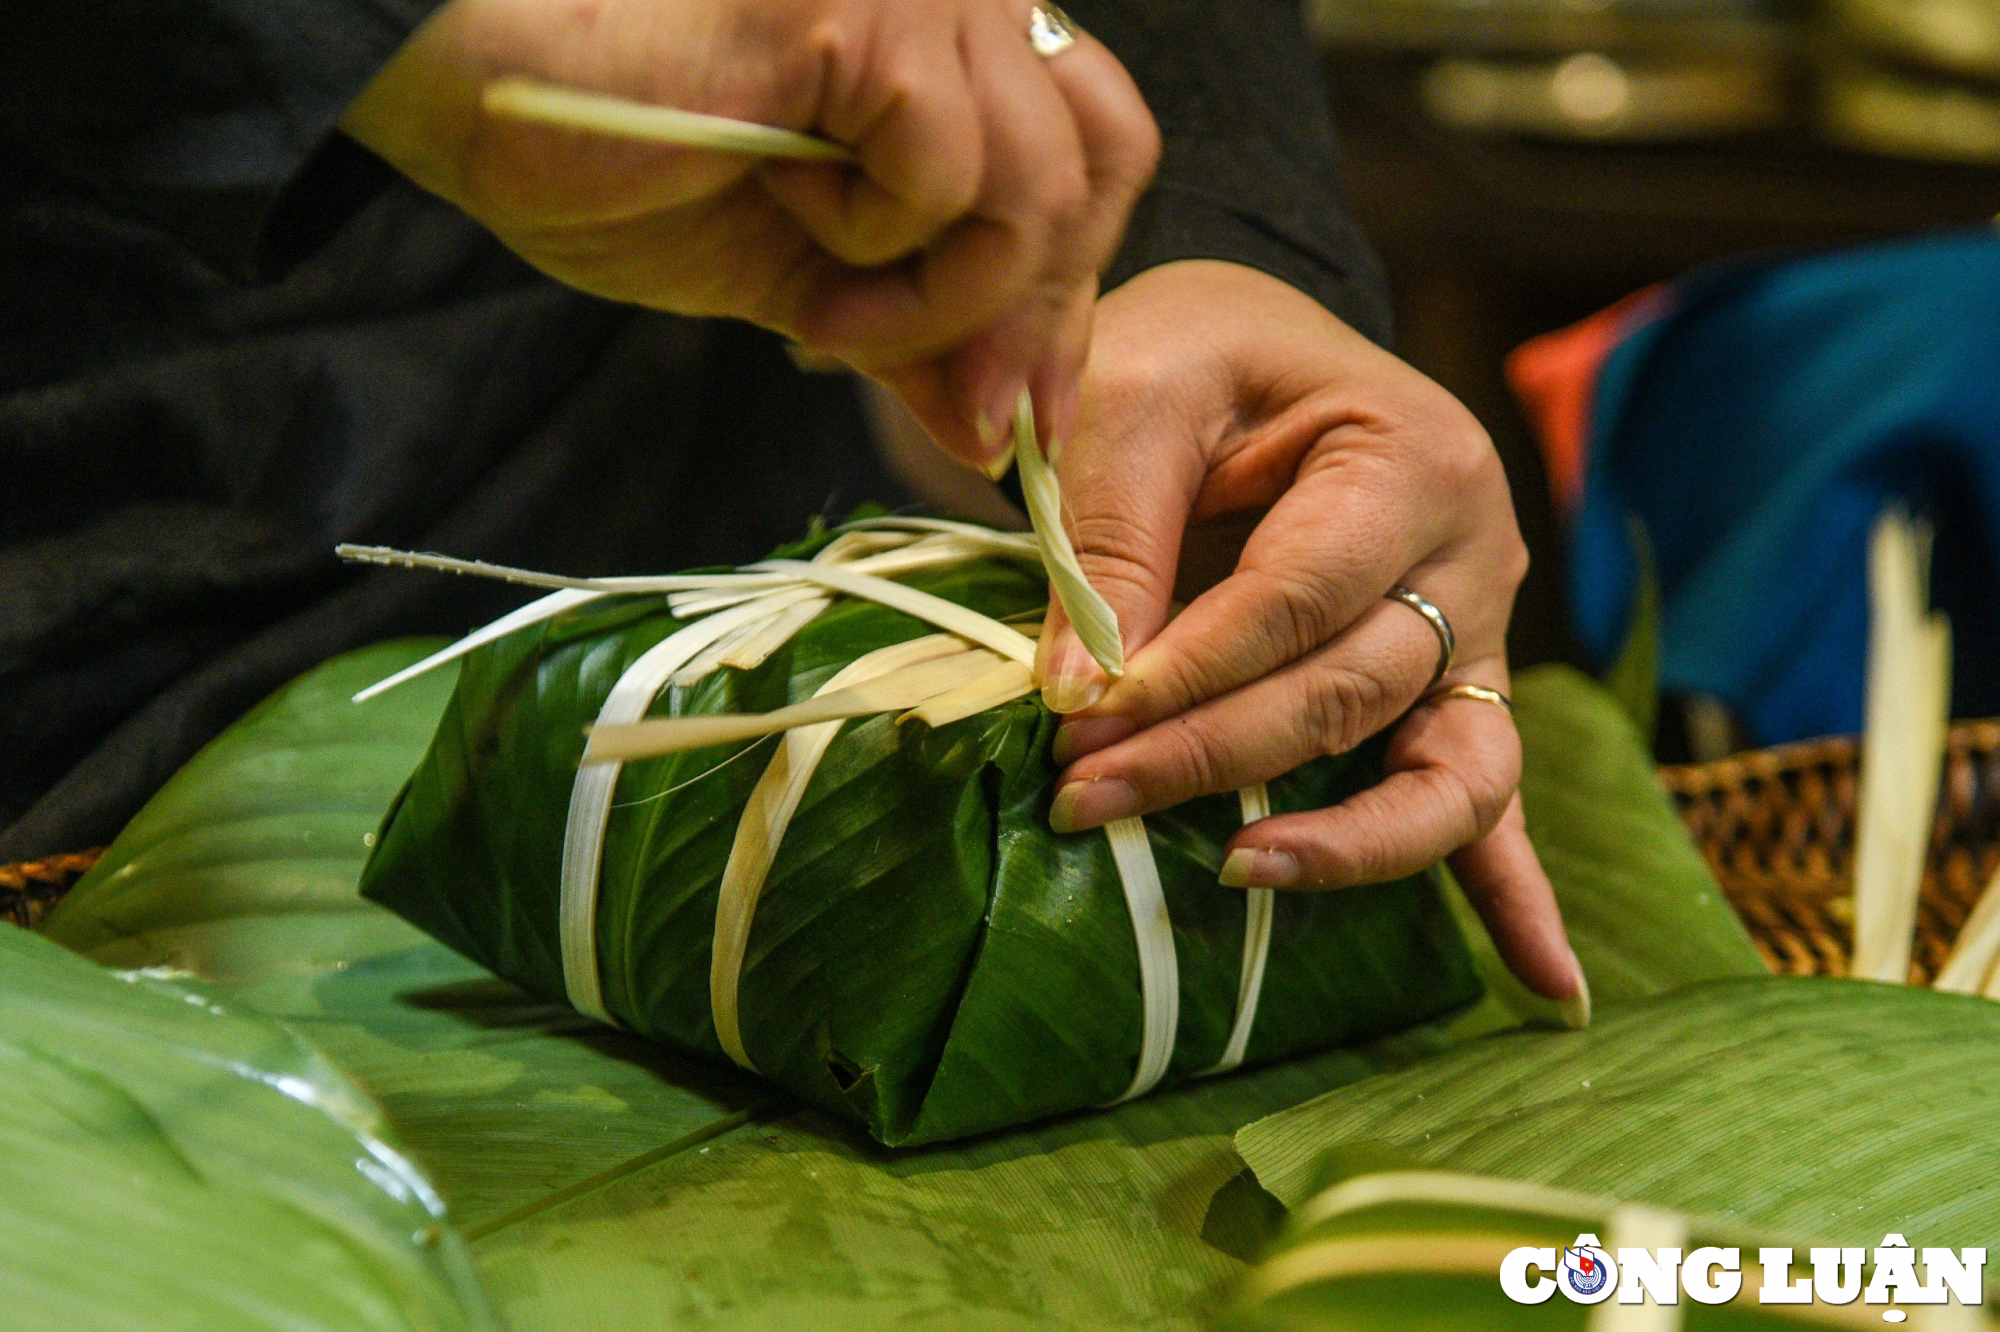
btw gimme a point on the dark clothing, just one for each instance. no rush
(230, 338)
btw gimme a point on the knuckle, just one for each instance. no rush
(1455, 807)
(1130, 155)
(1061, 193)
(1128, 386)
(1511, 563)
(1115, 541)
(1490, 788)
(837, 42)
(1298, 609)
(1040, 187)
(1142, 156)
(1343, 708)
(1468, 461)
(1195, 758)
(1358, 849)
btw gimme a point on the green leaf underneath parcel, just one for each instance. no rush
(167, 1163)
(1838, 1109)
(604, 1182)
(241, 873)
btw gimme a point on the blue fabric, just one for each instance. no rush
(1757, 430)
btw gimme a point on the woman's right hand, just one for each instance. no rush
(957, 260)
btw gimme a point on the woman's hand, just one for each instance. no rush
(957, 260)
(1214, 390)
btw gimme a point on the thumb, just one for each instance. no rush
(1129, 479)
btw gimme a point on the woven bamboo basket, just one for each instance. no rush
(28, 890)
(1775, 825)
(1777, 828)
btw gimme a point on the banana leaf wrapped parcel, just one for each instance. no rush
(810, 836)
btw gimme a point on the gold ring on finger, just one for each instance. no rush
(1478, 693)
(1447, 640)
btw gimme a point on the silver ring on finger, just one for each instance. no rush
(1447, 640)
(1050, 31)
(1477, 693)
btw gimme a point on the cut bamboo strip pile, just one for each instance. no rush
(1908, 710)
(1832, 868)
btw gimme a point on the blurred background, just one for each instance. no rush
(1522, 164)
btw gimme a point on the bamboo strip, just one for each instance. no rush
(1096, 624)
(599, 113)
(1007, 681)
(910, 687)
(1908, 712)
(1153, 931)
(590, 804)
(769, 812)
(1259, 907)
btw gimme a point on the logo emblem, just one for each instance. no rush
(1587, 1274)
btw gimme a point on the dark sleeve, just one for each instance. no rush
(1249, 169)
(198, 115)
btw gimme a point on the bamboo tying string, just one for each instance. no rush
(1970, 967)
(910, 686)
(768, 813)
(1096, 624)
(1259, 908)
(590, 800)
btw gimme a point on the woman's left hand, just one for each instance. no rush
(1215, 390)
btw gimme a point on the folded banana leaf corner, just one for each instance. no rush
(926, 958)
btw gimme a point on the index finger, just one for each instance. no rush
(1329, 549)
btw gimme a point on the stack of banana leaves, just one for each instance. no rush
(243, 1094)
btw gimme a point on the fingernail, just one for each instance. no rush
(1253, 867)
(1087, 735)
(1576, 1009)
(1092, 803)
(1073, 681)
(996, 414)
(990, 435)
(1065, 694)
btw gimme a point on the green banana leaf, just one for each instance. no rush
(1644, 913)
(1634, 677)
(1384, 1245)
(927, 957)
(168, 1163)
(603, 1181)
(241, 874)
(1840, 1109)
